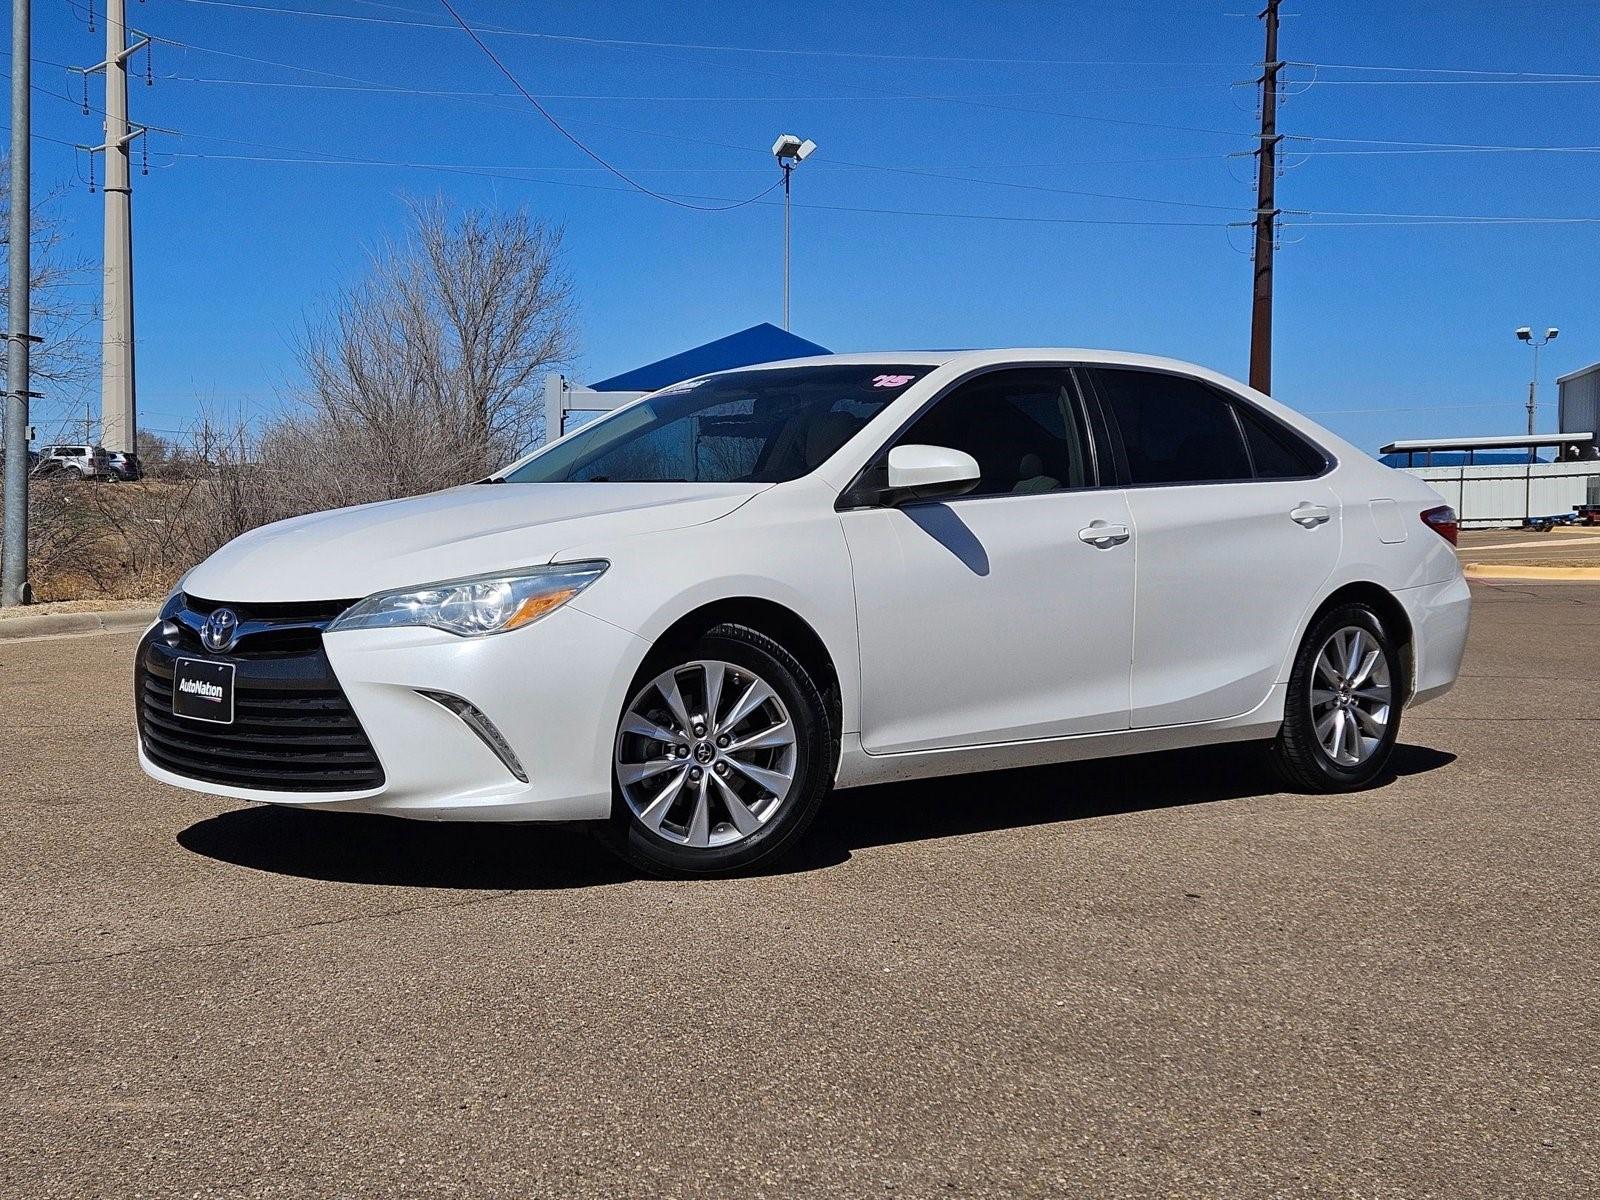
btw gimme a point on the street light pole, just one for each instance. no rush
(790, 151)
(788, 171)
(1525, 334)
(19, 339)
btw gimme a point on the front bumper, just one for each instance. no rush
(553, 689)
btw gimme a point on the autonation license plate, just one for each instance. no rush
(203, 691)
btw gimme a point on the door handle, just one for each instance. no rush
(1309, 515)
(1103, 536)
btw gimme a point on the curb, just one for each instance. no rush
(1489, 572)
(57, 624)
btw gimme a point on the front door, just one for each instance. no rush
(1006, 614)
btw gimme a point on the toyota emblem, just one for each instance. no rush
(220, 631)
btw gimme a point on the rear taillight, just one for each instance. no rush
(1442, 520)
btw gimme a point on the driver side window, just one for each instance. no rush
(1020, 425)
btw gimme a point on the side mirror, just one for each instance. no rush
(929, 473)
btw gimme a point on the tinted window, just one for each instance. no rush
(756, 426)
(1277, 453)
(1174, 430)
(1021, 426)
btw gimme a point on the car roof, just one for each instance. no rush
(997, 357)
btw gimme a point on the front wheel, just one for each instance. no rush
(1342, 712)
(723, 755)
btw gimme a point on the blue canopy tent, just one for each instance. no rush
(568, 405)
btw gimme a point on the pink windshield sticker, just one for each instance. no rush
(891, 381)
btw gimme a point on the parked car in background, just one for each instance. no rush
(689, 620)
(79, 461)
(123, 466)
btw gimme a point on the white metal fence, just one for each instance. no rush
(1506, 495)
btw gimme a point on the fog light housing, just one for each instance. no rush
(475, 719)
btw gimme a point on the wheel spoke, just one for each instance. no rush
(643, 726)
(631, 773)
(754, 697)
(1326, 728)
(1354, 641)
(1352, 735)
(715, 674)
(1374, 695)
(1365, 670)
(1326, 666)
(781, 734)
(775, 782)
(653, 813)
(700, 818)
(1370, 723)
(667, 685)
(1321, 696)
(745, 821)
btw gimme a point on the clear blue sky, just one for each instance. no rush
(1008, 109)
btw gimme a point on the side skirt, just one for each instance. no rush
(858, 768)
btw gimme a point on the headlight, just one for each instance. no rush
(478, 605)
(174, 600)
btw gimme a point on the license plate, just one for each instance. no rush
(203, 690)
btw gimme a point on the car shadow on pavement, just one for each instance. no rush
(358, 848)
(965, 804)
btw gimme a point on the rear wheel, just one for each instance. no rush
(722, 758)
(1342, 712)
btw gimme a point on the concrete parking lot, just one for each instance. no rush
(1156, 976)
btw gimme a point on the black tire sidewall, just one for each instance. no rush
(1301, 725)
(813, 760)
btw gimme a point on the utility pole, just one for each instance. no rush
(1266, 210)
(118, 414)
(14, 585)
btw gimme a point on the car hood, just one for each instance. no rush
(348, 553)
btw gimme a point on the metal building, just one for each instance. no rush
(1580, 400)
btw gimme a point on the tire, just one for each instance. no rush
(1318, 749)
(690, 804)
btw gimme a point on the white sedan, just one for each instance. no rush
(691, 619)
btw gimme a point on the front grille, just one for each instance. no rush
(293, 729)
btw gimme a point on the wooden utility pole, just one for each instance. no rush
(1266, 210)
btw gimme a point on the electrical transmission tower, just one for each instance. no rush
(118, 411)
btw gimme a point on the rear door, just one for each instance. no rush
(1235, 536)
(1006, 614)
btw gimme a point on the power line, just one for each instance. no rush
(578, 142)
(784, 51)
(1460, 71)
(931, 98)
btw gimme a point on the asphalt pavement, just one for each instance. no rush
(1149, 977)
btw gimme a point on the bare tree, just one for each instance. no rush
(427, 372)
(61, 311)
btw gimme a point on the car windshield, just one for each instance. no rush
(755, 426)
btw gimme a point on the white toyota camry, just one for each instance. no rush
(691, 619)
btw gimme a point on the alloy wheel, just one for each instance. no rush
(706, 754)
(1351, 696)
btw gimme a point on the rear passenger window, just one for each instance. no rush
(1278, 453)
(1174, 430)
(1020, 425)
